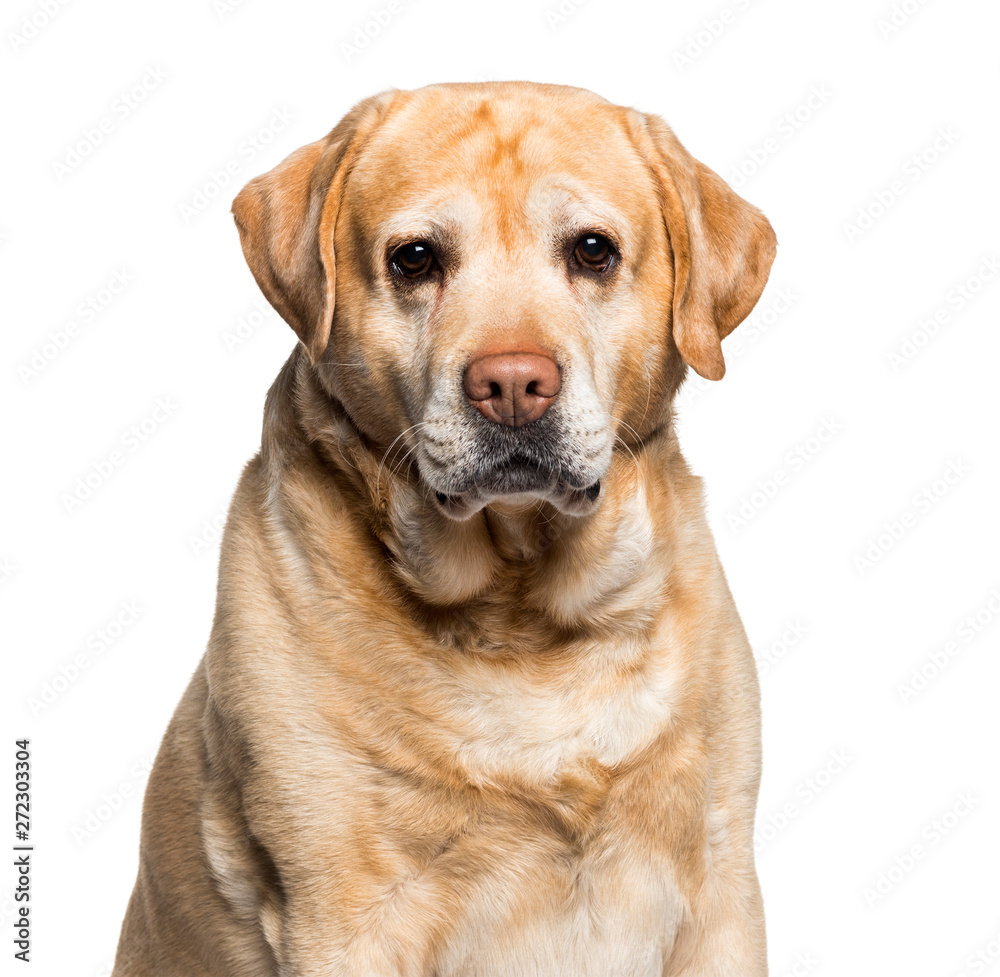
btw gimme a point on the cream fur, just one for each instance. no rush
(501, 735)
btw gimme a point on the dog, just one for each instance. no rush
(477, 701)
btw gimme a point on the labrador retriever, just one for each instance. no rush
(477, 701)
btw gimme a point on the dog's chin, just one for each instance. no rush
(566, 498)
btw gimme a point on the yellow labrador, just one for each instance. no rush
(477, 701)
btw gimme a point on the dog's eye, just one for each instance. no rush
(412, 260)
(594, 251)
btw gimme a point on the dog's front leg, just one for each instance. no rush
(333, 953)
(727, 938)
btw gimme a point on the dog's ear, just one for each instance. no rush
(286, 219)
(722, 247)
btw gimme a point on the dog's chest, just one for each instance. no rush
(520, 831)
(578, 883)
(575, 880)
(582, 917)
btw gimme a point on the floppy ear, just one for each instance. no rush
(286, 219)
(722, 248)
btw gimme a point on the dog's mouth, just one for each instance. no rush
(567, 499)
(518, 474)
(540, 461)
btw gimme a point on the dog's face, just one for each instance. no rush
(503, 280)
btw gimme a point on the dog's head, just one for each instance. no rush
(504, 278)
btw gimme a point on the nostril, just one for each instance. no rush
(512, 387)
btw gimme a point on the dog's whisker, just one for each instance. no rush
(624, 444)
(632, 431)
(395, 464)
(402, 434)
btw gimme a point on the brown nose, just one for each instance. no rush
(512, 388)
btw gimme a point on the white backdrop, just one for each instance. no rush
(850, 454)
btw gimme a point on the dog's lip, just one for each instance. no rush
(569, 499)
(522, 459)
(529, 470)
(515, 473)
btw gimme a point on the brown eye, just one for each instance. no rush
(413, 260)
(594, 251)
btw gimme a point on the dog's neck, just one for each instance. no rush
(526, 561)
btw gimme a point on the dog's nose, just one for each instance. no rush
(512, 388)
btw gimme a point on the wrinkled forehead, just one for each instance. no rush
(505, 156)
